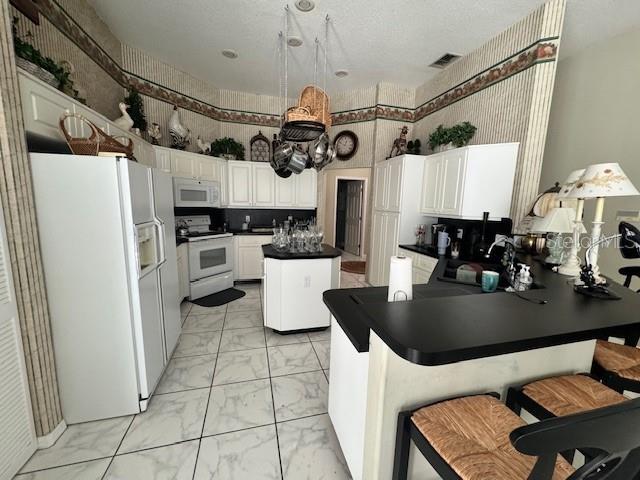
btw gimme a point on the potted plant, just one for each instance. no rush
(440, 136)
(227, 148)
(29, 58)
(461, 134)
(136, 110)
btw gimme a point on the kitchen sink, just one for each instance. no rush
(470, 273)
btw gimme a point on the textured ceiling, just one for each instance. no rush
(375, 40)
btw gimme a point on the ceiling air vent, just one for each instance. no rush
(445, 60)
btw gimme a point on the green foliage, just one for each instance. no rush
(136, 109)
(24, 49)
(227, 146)
(462, 133)
(459, 135)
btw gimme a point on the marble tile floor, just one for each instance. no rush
(237, 401)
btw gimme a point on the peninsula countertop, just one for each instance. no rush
(327, 252)
(447, 323)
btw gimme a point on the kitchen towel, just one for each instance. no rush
(400, 284)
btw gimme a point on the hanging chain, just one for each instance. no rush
(280, 81)
(326, 53)
(315, 73)
(286, 58)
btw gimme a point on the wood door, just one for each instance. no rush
(431, 185)
(353, 221)
(264, 185)
(240, 185)
(17, 435)
(452, 181)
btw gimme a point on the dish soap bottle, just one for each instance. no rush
(524, 278)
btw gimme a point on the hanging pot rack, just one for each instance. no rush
(310, 118)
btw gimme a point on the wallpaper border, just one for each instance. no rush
(541, 51)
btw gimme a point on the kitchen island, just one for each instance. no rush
(293, 286)
(452, 340)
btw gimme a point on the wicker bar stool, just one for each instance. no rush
(617, 366)
(479, 438)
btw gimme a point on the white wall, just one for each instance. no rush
(594, 119)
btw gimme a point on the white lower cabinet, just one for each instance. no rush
(423, 265)
(248, 256)
(183, 271)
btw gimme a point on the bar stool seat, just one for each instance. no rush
(571, 394)
(471, 434)
(622, 360)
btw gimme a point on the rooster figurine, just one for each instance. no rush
(203, 147)
(180, 135)
(125, 122)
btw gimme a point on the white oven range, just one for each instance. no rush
(210, 257)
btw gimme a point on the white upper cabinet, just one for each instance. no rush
(388, 185)
(184, 164)
(162, 159)
(306, 189)
(379, 186)
(240, 192)
(465, 182)
(264, 185)
(285, 192)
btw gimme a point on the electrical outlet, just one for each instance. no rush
(307, 281)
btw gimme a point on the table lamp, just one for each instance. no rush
(599, 181)
(571, 264)
(558, 221)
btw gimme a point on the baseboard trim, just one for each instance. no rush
(49, 439)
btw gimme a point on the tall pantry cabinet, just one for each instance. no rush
(397, 191)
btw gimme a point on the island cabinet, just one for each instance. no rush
(465, 182)
(395, 215)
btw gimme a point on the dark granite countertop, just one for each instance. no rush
(249, 232)
(447, 323)
(327, 252)
(423, 250)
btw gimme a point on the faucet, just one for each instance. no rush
(505, 240)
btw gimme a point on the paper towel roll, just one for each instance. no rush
(400, 284)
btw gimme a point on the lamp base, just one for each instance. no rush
(570, 267)
(597, 291)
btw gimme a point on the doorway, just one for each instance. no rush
(349, 213)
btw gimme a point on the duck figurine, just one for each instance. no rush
(125, 122)
(203, 147)
(180, 135)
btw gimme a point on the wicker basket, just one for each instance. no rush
(97, 142)
(317, 102)
(296, 114)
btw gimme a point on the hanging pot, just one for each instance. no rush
(282, 155)
(298, 160)
(283, 172)
(318, 150)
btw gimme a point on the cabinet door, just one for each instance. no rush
(452, 181)
(431, 185)
(183, 164)
(376, 250)
(264, 185)
(394, 185)
(249, 263)
(43, 107)
(224, 187)
(379, 186)
(306, 189)
(390, 234)
(285, 192)
(240, 184)
(207, 168)
(162, 159)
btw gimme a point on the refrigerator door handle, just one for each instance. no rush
(136, 250)
(161, 231)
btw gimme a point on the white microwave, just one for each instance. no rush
(189, 192)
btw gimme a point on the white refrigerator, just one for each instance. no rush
(107, 237)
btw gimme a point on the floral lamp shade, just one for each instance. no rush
(570, 182)
(603, 180)
(558, 220)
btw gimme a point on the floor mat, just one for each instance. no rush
(354, 267)
(220, 298)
